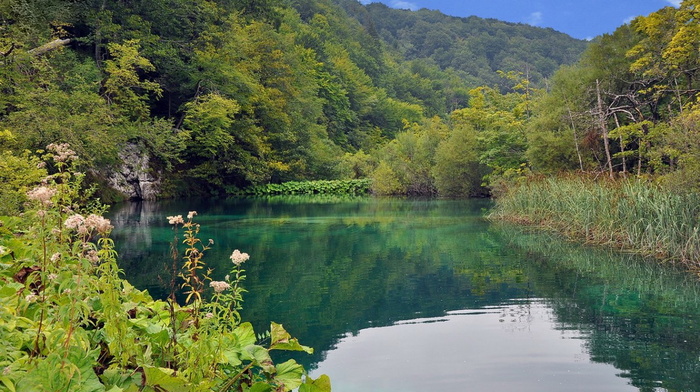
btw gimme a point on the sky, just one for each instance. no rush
(583, 19)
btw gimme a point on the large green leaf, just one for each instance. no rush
(55, 373)
(282, 340)
(163, 379)
(289, 375)
(260, 387)
(321, 384)
(245, 334)
(260, 356)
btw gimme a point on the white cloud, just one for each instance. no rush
(534, 19)
(675, 3)
(404, 5)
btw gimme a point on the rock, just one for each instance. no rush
(134, 177)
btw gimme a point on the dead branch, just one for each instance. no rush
(53, 45)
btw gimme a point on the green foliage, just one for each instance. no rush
(456, 170)
(123, 85)
(69, 322)
(18, 174)
(228, 94)
(319, 187)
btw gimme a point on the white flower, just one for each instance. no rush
(51, 276)
(55, 257)
(31, 298)
(63, 152)
(209, 315)
(174, 220)
(42, 194)
(239, 258)
(75, 222)
(191, 214)
(102, 225)
(219, 286)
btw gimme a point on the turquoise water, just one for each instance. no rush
(417, 295)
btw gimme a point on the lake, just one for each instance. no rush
(416, 295)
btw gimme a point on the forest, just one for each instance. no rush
(175, 98)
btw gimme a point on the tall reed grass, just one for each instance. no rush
(630, 214)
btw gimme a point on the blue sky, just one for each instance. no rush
(582, 19)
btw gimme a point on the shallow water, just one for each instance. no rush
(415, 295)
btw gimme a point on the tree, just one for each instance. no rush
(457, 171)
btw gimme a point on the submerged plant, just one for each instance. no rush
(70, 322)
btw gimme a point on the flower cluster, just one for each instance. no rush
(239, 258)
(84, 226)
(174, 220)
(219, 286)
(76, 222)
(62, 152)
(99, 223)
(42, 194)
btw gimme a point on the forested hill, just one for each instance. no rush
(476, 47)
(180, 97)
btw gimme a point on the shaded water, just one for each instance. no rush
(415, 295)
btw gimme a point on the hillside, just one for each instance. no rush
(474, 46)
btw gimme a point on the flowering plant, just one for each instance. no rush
(69, 322)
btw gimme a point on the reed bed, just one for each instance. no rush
(629, 214)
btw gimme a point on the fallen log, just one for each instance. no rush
(53, 45)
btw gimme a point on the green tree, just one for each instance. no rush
(457, 171)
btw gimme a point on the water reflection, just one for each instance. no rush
(409, 294)
(510, 347)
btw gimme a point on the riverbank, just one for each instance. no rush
(626, 214)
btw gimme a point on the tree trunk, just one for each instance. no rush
(573, 127)
(622, 147)
(604, 128)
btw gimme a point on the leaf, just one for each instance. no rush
(8, 384)
(260, 387)
(245, 334)
(260, 356)
(282, 340)
(289, 375)
(321, 384)
(164, 379)
(120, 380)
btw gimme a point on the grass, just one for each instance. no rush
(629, 214)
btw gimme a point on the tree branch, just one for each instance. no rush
(7, 53)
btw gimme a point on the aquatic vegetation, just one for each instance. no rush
(628, 214)
(319, 187)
